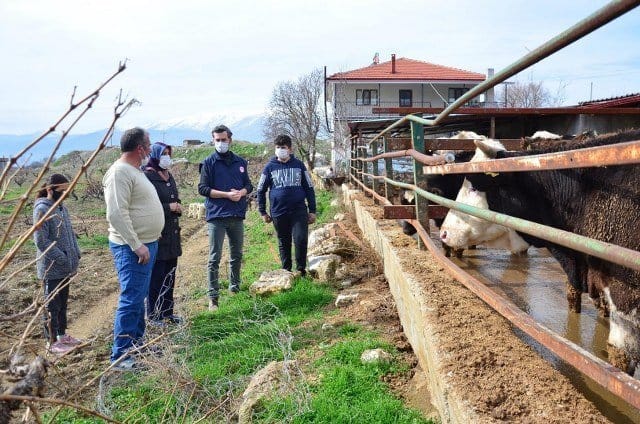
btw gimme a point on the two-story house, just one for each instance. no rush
(399, 82)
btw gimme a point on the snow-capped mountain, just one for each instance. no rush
(247, 128)
(174, 132)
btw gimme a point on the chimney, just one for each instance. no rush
(393, 63)
(489, 99)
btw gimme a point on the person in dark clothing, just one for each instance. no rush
(289, 185)
(224, 182)
(163, 276)
(58, 256)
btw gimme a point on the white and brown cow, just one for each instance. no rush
(601, 203)
(492, 235)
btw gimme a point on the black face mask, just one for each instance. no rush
(56, 195)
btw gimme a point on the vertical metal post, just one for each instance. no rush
(351, 161)
(419, 180)
(359, 164)
(374, 171)
(388, 168)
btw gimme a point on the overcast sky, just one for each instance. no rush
(224, 57)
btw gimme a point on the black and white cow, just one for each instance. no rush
(601, 203)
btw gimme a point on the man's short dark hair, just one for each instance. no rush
(283, 140)
(131, 139)
(220, 129)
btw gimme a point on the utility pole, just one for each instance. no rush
(506, 85)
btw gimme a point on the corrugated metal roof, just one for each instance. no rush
(409, 69)
(626, 100)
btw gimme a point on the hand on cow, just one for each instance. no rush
(312, 218)
(266, 218)
(143, 254)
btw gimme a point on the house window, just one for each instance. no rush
(456, 93)
(367, 97)
(405, 98)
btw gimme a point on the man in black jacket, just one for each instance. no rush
(289, 185)
(224, 182)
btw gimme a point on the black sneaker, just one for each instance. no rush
(213, 305)
(175, 319)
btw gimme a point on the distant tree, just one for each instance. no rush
(530, 94)
(294, 110)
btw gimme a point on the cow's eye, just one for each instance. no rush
(472, 190)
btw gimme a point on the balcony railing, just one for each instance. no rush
(351, 111)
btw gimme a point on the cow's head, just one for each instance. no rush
(460, 230)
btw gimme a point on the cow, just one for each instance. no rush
(601, 203)
(449, 186)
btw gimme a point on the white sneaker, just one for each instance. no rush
(128, 364)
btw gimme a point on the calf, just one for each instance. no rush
(601, 203)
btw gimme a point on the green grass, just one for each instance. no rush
(97, 241)
(347, 391)
(223, 349)
(325, 212)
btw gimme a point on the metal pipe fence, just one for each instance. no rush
(365, 154)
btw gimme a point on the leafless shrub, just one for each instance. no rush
(26, 388)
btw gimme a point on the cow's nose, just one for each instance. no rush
(443, 235)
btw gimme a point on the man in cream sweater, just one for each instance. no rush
(135, 218)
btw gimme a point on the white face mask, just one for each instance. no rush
(282, 153)
(144, 162)
(165, 162)
(222, 146)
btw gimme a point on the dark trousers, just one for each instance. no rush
(160, 299)
(234, 229)
(294, 226)
(55, 320)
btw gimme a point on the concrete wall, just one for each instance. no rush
(412, 310)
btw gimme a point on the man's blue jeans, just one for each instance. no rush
(234, 229)
(129, 326)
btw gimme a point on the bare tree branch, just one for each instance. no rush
(295, 111)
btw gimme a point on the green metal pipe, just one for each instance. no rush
(601, 17)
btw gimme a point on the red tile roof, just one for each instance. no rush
(629, 100)
(408, 69)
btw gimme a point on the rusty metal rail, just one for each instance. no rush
(603, 373)
(617, 154)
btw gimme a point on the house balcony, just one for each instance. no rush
(353, 112)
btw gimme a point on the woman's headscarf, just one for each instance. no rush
(156, 152)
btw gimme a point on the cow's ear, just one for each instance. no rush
(489, 146)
